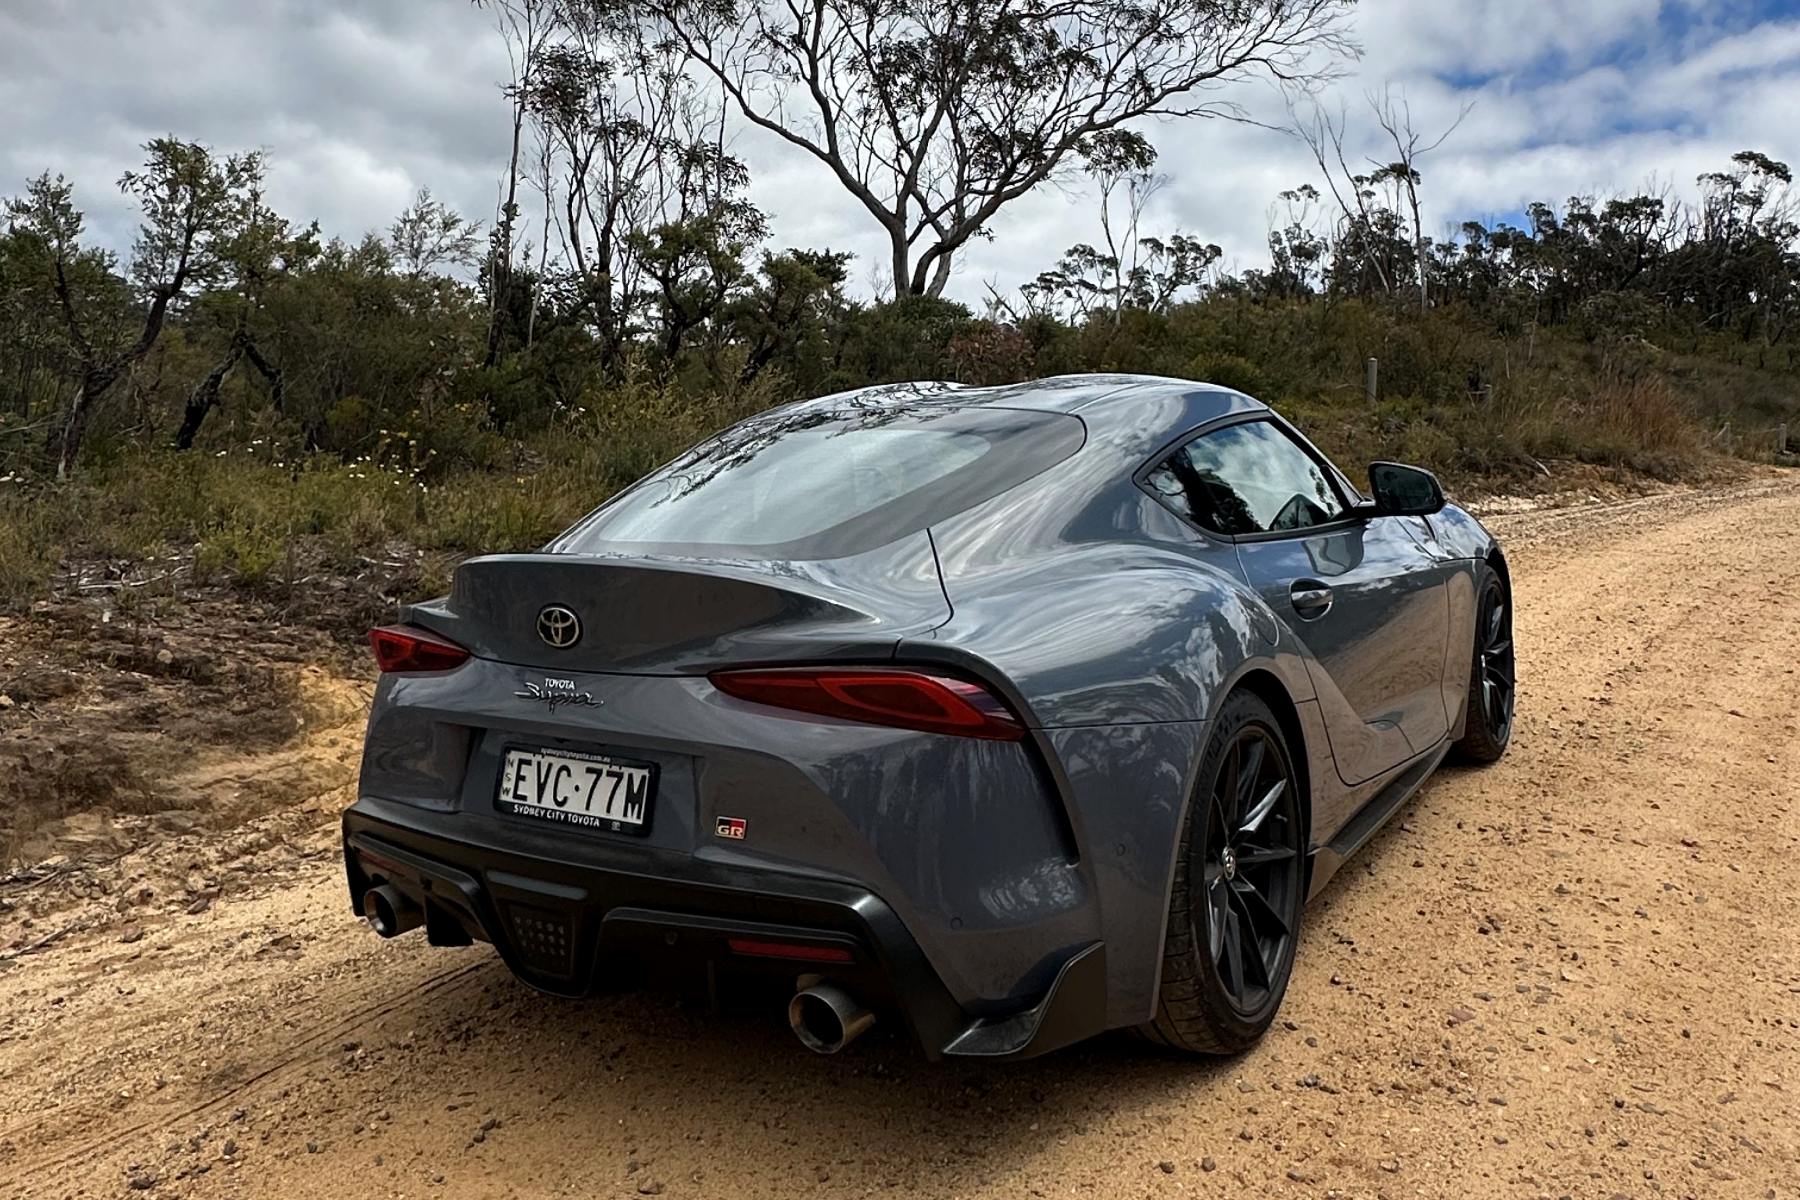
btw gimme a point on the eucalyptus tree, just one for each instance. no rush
(526, 28)
(1743, 264)
(693, 263)
(430, 236)
(260, 254)
(192, 203)
(630, 161)
(936, 116)
(40, 253)
(792, 315)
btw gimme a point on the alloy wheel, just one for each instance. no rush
(1250, 871)
(1494, 661)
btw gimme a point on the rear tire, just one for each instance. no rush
(1488, 720)
(1234, 907)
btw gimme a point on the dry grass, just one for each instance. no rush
(256, 516)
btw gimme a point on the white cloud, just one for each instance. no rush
(360, 104)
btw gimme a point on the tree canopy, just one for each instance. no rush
(624, 247)
(934, 117)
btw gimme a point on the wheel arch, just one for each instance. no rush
(1496, 558)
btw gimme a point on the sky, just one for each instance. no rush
(358, 103)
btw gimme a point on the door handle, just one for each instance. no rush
(1311, 598)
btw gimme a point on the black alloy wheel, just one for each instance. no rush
(1495, 660)
(1493, 677)
(1235, 901)
(1250, 870)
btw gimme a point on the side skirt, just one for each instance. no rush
(1371, 817)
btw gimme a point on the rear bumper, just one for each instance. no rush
(573, 928)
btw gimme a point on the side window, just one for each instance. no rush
(1248, 478)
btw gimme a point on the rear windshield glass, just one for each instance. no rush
(825, 483)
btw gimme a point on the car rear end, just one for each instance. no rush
(679, 737)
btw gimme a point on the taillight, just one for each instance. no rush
(403, 648)
(880, 696)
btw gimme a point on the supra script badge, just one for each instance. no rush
(558, 693)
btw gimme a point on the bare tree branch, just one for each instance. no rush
(936, 116)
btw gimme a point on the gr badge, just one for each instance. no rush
(731, 827)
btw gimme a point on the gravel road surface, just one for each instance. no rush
(1573, 974)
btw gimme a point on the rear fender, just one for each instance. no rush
(1128, 787)
(1118, 656)
(1103, 634)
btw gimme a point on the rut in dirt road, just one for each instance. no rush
(1574, 973)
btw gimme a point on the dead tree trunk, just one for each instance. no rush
(64, 442)
(206, 394)
(271, 375)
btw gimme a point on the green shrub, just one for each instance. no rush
(1232, 371)
(502, 459)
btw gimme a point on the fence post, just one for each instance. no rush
(1371, 379)
(1781, 434)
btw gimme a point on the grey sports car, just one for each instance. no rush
(1013, 714)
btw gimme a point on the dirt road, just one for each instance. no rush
(1574, 974)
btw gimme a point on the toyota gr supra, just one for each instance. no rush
(1009, 714)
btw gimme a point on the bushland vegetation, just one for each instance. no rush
(242, 397)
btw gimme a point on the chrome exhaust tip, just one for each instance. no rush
(826, 1018)
(389, 913)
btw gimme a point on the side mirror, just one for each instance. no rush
(1403, 491)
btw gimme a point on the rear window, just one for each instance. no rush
(811, 483)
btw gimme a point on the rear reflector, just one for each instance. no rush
(404, 648)
(879, 696)
(750, 948)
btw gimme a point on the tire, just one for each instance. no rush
(1493, 691)
(1201, 1008)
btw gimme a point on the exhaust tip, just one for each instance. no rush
(826, 1018)
(388, 912)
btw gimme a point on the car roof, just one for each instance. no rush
(1130, 412)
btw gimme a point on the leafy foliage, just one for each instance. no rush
(238, 386)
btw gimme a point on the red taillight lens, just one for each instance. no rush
(402, 648)
(879, 696)
(752, 948)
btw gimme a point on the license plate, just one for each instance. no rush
(588, 791)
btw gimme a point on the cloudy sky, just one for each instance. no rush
(360, 102)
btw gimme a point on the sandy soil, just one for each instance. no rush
(1574, 974)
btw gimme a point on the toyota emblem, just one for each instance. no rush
(559, 626)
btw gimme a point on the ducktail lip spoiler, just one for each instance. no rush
(659, 615)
